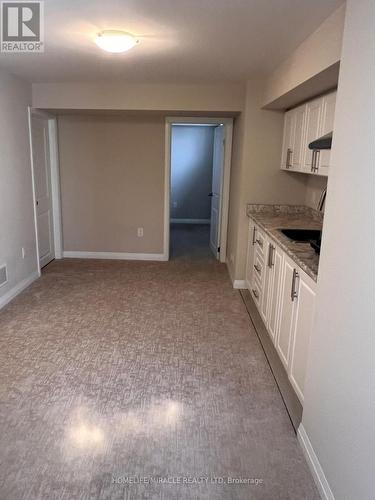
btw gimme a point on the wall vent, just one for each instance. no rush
(3, 275)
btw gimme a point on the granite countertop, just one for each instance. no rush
(271, 218)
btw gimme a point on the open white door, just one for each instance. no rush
(42, 187)
(217, 176)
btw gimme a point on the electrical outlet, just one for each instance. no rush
(140, 232)
(23, 252)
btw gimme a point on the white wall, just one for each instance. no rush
(339, 410)
(191, 171)
(16, 202)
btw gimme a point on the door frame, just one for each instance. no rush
(225, 184)
(55, 181)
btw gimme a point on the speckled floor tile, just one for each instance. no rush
(140, 380)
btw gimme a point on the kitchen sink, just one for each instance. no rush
(301, 234)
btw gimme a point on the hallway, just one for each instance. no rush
(190, 241)
(117, 371)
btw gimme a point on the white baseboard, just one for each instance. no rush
(13, 292)
(239, 284)
(191, 221)
(314, 465)
(115, 255)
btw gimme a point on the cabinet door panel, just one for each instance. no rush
(274, 300)
(303, 323)
(250, 254)
(286, 158)
(312, 130)
(268, 282)
(286, 312)
(328, 115)
(298, 144)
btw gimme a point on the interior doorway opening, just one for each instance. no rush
(197, 187)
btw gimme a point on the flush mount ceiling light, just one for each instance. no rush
(115, 41)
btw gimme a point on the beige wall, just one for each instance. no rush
(314, 187)
(256, 175)
(150, 97)
(16, 202)
(235, 190)
(112, 182)
(339, 404)
(319, 51)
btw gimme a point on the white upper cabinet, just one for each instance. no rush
(328, 114)
(299, 126)
(303, 125)
(312, 131)
(322, 161)
(288, 140)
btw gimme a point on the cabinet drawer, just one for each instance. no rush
(260, 242)
(256, 292)
(258, 266)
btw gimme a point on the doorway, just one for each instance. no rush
(46, 189)
(198, 154)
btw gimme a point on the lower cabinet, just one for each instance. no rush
(275, 292)
(255, 267)
(285, 296)
(285, 327)
(301, 332)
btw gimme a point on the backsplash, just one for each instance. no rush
(314, 187)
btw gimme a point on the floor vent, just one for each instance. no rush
(3, 275)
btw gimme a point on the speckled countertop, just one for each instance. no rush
(271, 218)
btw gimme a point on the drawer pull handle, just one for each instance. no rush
(257, 268)
(294, 293)
(288, 157)
(271, 250)
(254, 234)
(256, 294)
(315, 160)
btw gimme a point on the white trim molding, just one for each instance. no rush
(17, 289)
(114, 255)
(29, 114)
(314, 465)
(55, 185)
(239, 285)
(191, 221)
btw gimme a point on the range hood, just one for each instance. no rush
(324, 142)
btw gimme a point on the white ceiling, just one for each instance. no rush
(181, 40)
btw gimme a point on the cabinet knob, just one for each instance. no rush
(257, 268)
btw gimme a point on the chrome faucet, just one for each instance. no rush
(322, 200)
